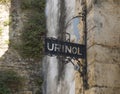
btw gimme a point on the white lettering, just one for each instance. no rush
(79, 51)
(67, 49)
(50, 47)
(57, 47)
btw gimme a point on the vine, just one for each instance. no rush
(34, 29)
(10, 82)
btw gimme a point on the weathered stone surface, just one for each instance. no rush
(91, 52)
(107, 54)
(11, 26)
(103, 41)
(103, 54)
(103, 90)
(106, 75)
(107, 21)
(78, 83)
(103, 23)
(103, 47)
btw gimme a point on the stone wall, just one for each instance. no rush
(103, 46)
(11, 25)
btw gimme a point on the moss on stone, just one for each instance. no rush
(10, 82)
(34, 29)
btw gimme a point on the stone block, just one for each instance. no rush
(103, 24)
(104, 75)
(103, 54)
(107, 54)
(107, 19)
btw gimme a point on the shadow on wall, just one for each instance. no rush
(21, 47)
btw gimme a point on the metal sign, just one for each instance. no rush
(57, 47)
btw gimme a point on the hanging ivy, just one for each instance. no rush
(34, 29)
